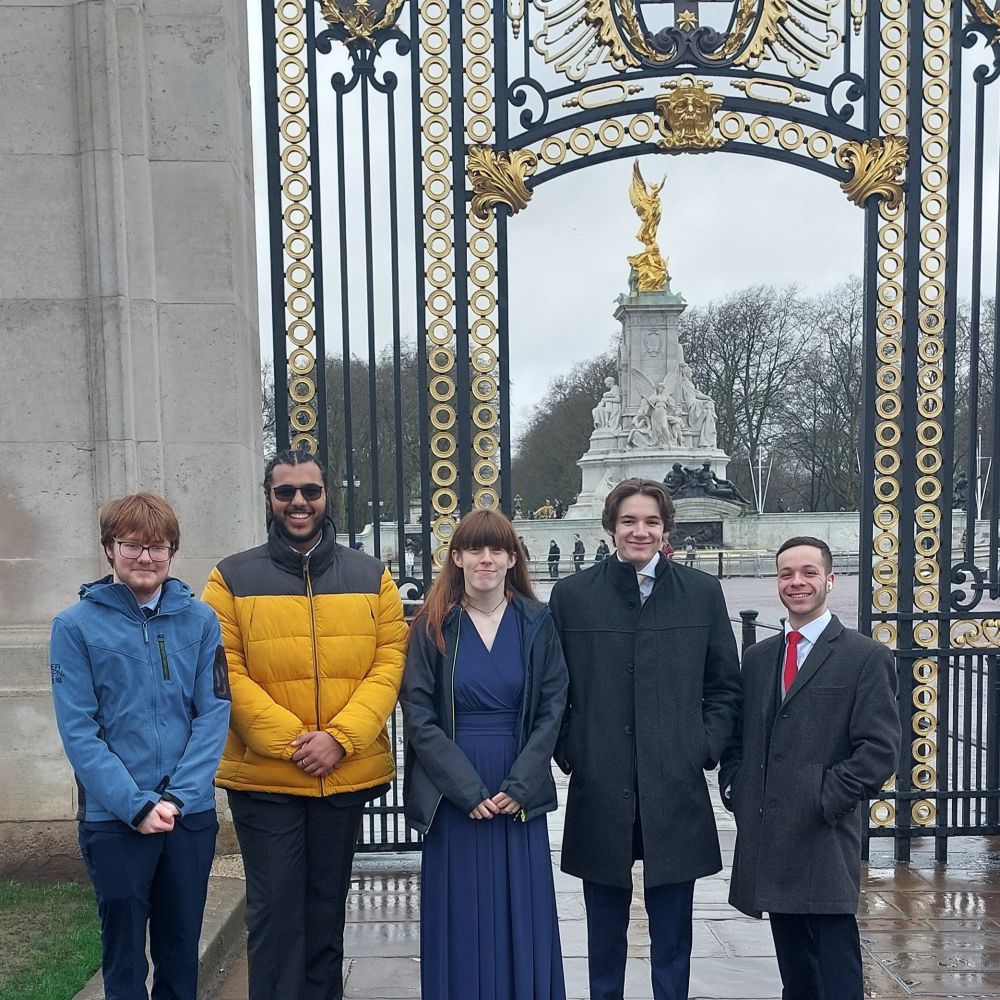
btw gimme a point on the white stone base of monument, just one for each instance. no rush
(606, 465)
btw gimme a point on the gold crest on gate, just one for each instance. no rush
(361, 20)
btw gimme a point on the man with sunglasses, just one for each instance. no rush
(142, 703)
(315, 638)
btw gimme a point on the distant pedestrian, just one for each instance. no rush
(560, 510)
(526, 555)
(667, 550)
(579, 553)
(409, 558)
(602, 552)
(554, 554)
(690, 551)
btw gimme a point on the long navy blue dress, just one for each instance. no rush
(488, 925)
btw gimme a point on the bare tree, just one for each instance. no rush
(747, 352)
(267, 417)
(377, 448)
(820, 434)
(558, 432)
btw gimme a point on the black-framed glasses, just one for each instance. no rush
(286, 492)
(133, 550)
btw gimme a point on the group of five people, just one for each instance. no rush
(629, 679)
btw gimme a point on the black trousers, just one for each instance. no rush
(668, 909)
(819, 956)
(297, 853)
(159, 879)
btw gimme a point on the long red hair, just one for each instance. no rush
(479, 529)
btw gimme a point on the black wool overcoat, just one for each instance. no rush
(654, 695)
(802, 771)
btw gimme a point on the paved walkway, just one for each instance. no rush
(927, 932)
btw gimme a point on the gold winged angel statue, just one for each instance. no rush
(650, 268)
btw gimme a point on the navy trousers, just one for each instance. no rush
(819, 956)
(668, 908)
(159, 879)
(297, 854)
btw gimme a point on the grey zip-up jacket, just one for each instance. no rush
(435, 766)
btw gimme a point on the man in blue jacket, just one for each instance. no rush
(141, 697)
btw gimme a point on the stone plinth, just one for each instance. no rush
(602, 471)
(128, 327)
(649, 340)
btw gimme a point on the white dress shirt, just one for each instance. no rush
(810, 632)
(646, 575)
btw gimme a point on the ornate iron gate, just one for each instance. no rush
(436, 121)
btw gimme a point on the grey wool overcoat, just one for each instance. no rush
(654, 695)
(802, 771)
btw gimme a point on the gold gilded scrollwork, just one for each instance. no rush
(813, 36)
(499, 179)
(599, 95)
(688, 110)
(775, 91)
(515, 14)
(579, 34)
(360, 19)
(877, 165)
(976, 634)
(991, 18)
(859, 8)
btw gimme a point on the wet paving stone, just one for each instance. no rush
(928, 931)
(743, 937)
(385, 979)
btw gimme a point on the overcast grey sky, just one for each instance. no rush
(728, 221)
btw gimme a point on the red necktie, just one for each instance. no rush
(791, 660)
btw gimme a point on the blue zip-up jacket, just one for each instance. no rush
(142, 705)
(435, 765)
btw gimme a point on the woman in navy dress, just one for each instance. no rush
(483, 697)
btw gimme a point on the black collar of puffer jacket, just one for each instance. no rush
(292, 561)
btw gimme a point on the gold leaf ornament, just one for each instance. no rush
(877, 167)
(498, 178)
(360, 19)
(989, 18)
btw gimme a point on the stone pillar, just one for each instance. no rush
(128, 328)
(650, 322)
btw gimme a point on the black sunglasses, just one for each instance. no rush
(309, 491)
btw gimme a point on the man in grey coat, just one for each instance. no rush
(820, 736)
(654, 696)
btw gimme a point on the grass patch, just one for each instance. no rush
(50, 941)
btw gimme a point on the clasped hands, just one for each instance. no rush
(497, 805)
(317, 753)
(159, 819)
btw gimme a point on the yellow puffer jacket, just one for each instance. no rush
(312, 643)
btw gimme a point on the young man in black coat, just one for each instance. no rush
(820, 736)
(654, 696)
